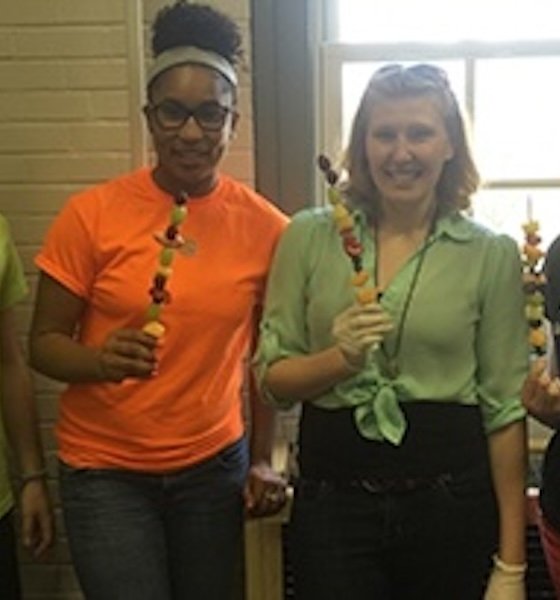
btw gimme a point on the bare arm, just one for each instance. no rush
(55, 351)
(508, 460)
(355, 331)
(302, 378)
(265, 490)
(20, 420)
(263, 425)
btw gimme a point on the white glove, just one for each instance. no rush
(359, 328)
(507, 582)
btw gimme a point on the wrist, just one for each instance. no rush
(509, 568)
(29, 476)
(101, 373)
(352, 362)
(260, 462)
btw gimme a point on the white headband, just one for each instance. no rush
(191, 55)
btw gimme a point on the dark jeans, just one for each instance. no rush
(433, 543)
(137, 536)
(9, 574)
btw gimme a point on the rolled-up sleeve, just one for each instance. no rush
(69, 252)
(283, 328)
(502, 346)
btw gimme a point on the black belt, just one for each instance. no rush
(379, 485)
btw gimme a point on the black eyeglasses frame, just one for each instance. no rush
(152, 110)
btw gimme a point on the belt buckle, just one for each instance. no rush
(370, 486)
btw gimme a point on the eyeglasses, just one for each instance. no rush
(171, 115)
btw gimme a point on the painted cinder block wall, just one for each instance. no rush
(70, 97)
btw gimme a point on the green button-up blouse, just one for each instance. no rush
(464, 338)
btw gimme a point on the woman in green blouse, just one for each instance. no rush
(412, 432)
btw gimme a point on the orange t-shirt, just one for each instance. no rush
(101, 247)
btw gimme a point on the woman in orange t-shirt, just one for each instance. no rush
(149, 295)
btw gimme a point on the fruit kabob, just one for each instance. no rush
(364, 291)
(170, 240)
(534, 281)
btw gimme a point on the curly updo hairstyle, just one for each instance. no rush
(184, 24)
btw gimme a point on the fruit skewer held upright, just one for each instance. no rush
(534, 281)
(171, 239)
(344, 223)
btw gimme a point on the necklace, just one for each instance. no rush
(171, 240)
(391, 358)
(364, 291)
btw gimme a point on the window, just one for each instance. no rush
(504, 65)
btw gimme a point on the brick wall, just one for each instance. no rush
(70, 95)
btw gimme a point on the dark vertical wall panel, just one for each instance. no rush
(283, 101)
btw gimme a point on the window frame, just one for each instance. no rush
(333, 55)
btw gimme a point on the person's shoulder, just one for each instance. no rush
(474, 228)
(234, 191)
(94, 197)
(309, 226)
(553, 254)
(243, 196)
(552, 268)
(480, 232)
(317, 217)
(5, 231)
(4, 226)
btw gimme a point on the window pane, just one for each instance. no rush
(517, 129)
(506, 210)
(355, 77)
(381, 21)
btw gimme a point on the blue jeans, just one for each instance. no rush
(433, 543)
(9, 573)
(157, 537)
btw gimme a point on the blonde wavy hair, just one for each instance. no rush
(459, 178)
